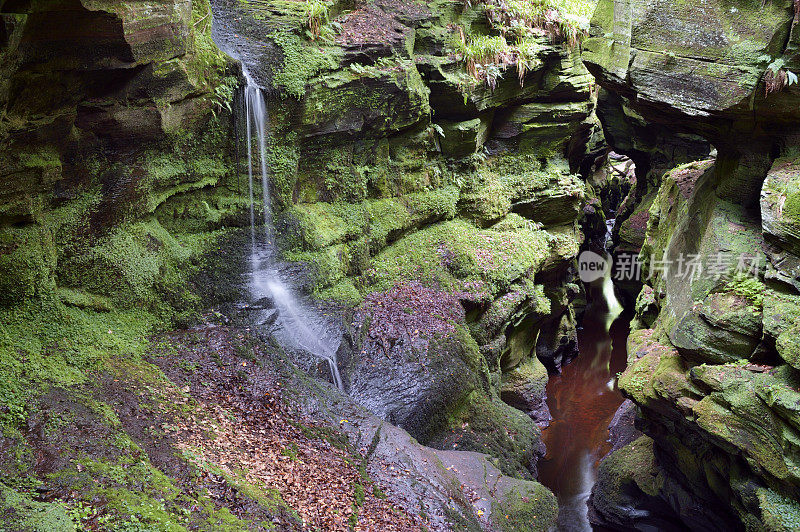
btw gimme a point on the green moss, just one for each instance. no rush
(749, 288)
(138, 264)
(46, 343)
(629, 469)
(488, 425)
(46, 158)
(84, 300)
(358, 501)
(343, 292)
(301, 62)
(534, 509)
(778, 513)
(207, 64)
(283, 163)
(202, 211)
(26, 514)
(327, 266)
(791, 208)
(457, 255)
(339, 238)
(27, 263)
(486, 199)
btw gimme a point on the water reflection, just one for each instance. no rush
(582, 401)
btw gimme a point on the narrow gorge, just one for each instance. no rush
(389, 265)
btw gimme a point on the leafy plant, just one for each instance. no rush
(519, 23)
(527, 59)
(777, 78)
(209, 61)
(224, 94)
(564, 21)
(747, 287)
(316, 15)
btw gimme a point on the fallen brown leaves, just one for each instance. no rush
(377, 22)
(247, 431)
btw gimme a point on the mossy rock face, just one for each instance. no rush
(701, 249)
(628, 477)
(633, 230)
(780, 204)
(487, 424)
(713, 376)
(781, 323)
(707, 412)
(384, 100)
(413, 359)
(711, 56)
(26, 267)
(460, 139)
(528, 508)
(524, 388)
(86, 158)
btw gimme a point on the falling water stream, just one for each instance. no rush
(292, 319)
(297, 323)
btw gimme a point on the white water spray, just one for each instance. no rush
(299, 325)
(610, 297)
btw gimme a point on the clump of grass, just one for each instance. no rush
(527, 58)
(486, 57)
(564, 21)
(316, 15)
(749, 288)
(519, 23)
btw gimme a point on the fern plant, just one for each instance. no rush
(224, 94)
(519, 23)
(778, 78)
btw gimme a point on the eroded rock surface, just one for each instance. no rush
(718, 452)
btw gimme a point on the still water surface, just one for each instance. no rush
(582, 401)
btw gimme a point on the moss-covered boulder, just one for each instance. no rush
(698, 247)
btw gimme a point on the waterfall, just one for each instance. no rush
(610, 297)
(257, 115)
(298, 325)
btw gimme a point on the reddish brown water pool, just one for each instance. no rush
(582, 401)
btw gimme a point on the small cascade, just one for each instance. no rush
(607, 241)
(609, 296)
(297, 325)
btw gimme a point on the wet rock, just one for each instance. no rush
(409, 364)
(461, 139)
(780, 204)
(622, 428)
(264, 303)
(524, 388)
(269, 318)
(625, 496)
(461, 488)
(642, 47)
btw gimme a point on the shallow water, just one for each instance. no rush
(582, 401)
